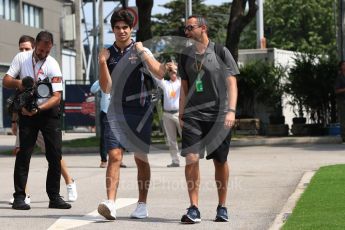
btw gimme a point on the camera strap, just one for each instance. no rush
(34, 66)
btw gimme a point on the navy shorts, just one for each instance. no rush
(131, 132)
(198, 135)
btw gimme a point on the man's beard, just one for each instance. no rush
(38, 58)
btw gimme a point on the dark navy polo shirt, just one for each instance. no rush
(128, 77)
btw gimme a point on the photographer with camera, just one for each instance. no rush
(38, 110)
(27, 43)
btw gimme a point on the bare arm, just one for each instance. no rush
(14, 123)
(231, 83)
(183, 93)
(53, 101)
(12, 83)
(156, 68)
(104, 75)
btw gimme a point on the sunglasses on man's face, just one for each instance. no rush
(191, 27)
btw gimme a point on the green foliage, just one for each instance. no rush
(172, 23)
(300, 75)
(299, 25)
(260, 81)
(321, 205)
(310, 83)
(248, 36)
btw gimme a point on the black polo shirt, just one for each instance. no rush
(129, 75)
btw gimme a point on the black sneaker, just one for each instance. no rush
(20, 205)
(222, 214)
(192, 216)
(59, 203)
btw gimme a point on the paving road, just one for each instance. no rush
(262, 179)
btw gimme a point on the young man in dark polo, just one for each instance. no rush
(126, 69)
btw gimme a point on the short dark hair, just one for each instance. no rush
(44, 36)
(27, 38)
(122, 15)
(201, 19)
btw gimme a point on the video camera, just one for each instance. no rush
(32, 92)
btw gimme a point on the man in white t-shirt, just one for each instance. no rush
(171, 92)
(44, 117)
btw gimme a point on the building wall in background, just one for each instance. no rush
(11, 30)
(284, 58)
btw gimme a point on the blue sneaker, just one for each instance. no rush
(222, 214)
(192, 216)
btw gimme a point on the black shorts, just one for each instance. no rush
(199, 135)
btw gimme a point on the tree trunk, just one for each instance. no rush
(144, 13)
(237, 22)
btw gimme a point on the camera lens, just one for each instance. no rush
(43, 90)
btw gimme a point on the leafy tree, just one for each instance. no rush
(239, 19)
(172, 23)
(248, 36)
(260, 81)
(299, 25)
(226, 22)
(310, 83)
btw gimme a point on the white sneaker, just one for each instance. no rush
(107, 209)
(72, 194)
(140, 212)
(27, 200)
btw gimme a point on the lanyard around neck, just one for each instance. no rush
(197, 66)
(34, 65)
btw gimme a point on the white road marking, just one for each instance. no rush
(66, 222)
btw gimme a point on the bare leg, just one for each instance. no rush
(192, 174)
(113, 172)
(222, 180)
(64, 171)
(143, 176)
